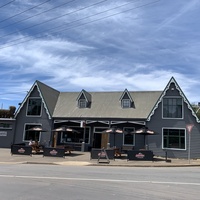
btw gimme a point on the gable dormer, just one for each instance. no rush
(172, 99)
(84, 99)
(126, 100)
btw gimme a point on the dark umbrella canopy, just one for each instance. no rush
(65, 129)
(113, 131)
(37, 128)
(144, 131)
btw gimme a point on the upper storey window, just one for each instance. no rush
(84, 99)
(172, 108)
(126, 99)
(82, 103)
(126, 103)
(34, 106)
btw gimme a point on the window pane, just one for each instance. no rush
(34, 107)
(174, 138)
(172, 107)
(126, 103)
(82, 103)
(31, 135)
(73, 137)
(128, 137)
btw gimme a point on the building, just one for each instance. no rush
(7, 126)
(168, 113)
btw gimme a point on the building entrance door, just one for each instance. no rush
(104, 140)
(97, 140)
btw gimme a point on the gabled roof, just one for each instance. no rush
(86, 95)
(126, 92)
(106, 105)
(48, 95)
(172, 80)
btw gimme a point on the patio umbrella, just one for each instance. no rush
(37, 128)
(65, 129)
(144, 131)
(113, 131)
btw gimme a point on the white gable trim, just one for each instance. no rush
(79, 96)
(126, 92)
(172, 80)
(28, 95)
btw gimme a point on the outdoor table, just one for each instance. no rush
(142, 155)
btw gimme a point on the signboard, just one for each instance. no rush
(3, 133)
(21, 149)
(54, 152)
(189, 127)
(103, 154)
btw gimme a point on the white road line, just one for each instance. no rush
(98, 180)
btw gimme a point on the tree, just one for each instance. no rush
(196, 109)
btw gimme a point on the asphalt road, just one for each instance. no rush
(36, 182)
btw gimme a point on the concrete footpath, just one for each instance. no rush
(83, 158)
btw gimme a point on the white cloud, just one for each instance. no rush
(138, 50)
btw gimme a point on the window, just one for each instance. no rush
(34, 106)
(128, 137)
(82, 103)
(126, 103)
(67, 137)
(172, 107)
(174, 138)
(5, 126)
(31, 135)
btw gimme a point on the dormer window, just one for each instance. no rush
(82, 103)
(126, 103)
(126, 100)
(84, 99)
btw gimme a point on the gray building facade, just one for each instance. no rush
(168, 113)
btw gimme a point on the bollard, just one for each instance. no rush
(108, 145)
(165, 156)
(83, 146)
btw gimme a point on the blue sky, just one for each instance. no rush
(98, 45)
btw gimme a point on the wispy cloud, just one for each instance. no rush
(140, 49)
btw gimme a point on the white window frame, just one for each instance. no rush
(124, 129)
(173, 148)
(82, 103)
(163, 108)
(28, 106)
(32, 124)
(126, 103)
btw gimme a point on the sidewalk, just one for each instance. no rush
(83, 158)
